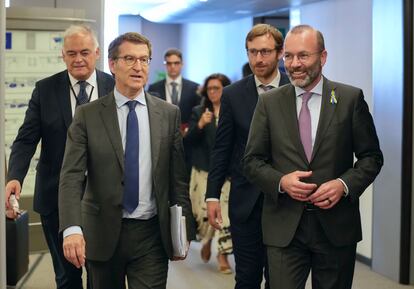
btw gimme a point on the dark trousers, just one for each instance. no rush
(249, 251)
(332, 267)
(139, 256)
(67, 276)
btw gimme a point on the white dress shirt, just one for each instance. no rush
(91, 89)
(168, 88)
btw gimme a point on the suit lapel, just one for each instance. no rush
(326, 114)
(103, 86)
(155, 122)
(251, 94)
(288, 108)
(62, 91)
(110, 120)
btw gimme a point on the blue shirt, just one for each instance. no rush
(147, 207)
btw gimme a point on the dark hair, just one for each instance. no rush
(266, 29)
(133, 37)
(173, 51)
(220, 77)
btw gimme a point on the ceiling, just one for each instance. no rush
(184, 11)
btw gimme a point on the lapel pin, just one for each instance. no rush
(333, 97)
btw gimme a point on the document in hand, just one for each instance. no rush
(178, 231)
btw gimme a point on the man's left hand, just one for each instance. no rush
(328, 194)
(176, 258)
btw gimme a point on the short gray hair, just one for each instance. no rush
(83, 30)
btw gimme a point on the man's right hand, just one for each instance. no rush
(214, 214)
(298, 190)
(74, 249)
(12, 187)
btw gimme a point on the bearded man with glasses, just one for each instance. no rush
(264, 50)
(300, 152)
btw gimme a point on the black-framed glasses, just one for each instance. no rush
(263, 52)
(132, 60)
(301, 57)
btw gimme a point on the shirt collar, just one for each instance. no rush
(120, 99)
(91, 80)
(316, 90)
(275, 81)
(178, 80)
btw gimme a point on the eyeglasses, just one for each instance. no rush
(176, 63)
(213, 88)
(301, 57)
(263, 52)
(132, 60)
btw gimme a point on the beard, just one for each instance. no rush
(265, 71)
(312, 73)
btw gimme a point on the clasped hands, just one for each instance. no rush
(325, 196)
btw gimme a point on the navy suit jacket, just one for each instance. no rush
(47, 119)
(189, 97)
(237, 107)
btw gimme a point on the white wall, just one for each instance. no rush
(347, 28)
(388, 90)
(215, 47)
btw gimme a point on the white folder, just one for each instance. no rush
(178, 231)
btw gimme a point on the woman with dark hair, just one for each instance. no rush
(201, 135)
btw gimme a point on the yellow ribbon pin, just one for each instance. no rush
(333, 97)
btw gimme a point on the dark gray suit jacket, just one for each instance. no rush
(94, 144)
(274, 149)
(47, 119)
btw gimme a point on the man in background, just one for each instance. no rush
(179, 91)
(264, 48)
(47, 119)
(300, 153)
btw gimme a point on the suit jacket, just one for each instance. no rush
(189, 97)
(237, 106)
(47, 119)
(274, 149)
(94, 145)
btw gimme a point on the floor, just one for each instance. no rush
(193, 273)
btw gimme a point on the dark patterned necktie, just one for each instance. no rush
(131, 180)
(82, 96)
(266, 87)
(305, 126)
(174, 93)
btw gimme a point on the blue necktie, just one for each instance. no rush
(82, 96)
(131, 181)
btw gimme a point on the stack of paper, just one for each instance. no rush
(178, 231)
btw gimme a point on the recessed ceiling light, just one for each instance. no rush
(242, 12)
